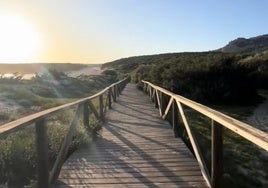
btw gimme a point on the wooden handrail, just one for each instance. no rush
(250, 133)
(218, 119)
(18, 124)
(46, 178)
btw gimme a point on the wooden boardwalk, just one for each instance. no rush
(135, 148)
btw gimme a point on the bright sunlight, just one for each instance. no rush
(19, 40)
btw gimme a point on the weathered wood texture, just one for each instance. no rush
(135, 148)
(219, 120)
(248, 132)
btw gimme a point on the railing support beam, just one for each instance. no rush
(175, 119)
(42, 153)
(86, 115)
(101, 107)
(156, 104)
(162, 103)
(114, 93)
(217, 156)
(110, 98)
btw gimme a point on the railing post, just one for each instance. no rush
(217, 156)
(144, 88)
(163, 102)
(110, 98)
(152, 94)
(101, 107)
(114, 95)
(86, 114)
(121, 86)
(117, 90)
(175, 119)
(155, 100)
(42, 153)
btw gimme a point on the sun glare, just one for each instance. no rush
(19, 40)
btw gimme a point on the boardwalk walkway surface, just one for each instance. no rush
(135, 148)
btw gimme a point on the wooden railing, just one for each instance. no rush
(45, 176)
(218, 120)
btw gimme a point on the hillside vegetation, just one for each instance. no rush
(19, 98)
(251, 45)
(228, 79)
(204, 76)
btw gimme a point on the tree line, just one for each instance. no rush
(203, 76)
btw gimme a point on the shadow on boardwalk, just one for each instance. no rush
(135, 148)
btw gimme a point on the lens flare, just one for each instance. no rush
(19, 40)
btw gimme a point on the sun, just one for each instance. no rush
(19, 40)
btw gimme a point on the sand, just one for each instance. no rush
(89, 70)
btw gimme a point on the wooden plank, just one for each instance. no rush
(134, 185)
(135, 147)
(130, 158)
(161, 179)
(91, 170)
(75, 174)
(121, 165)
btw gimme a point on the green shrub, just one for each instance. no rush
(18, 151)
(205, 77)
(18, 155)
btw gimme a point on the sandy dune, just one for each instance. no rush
(89, 70)
(259, 118)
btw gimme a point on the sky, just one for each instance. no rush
(99, 31)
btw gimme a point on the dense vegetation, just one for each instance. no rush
(23, 97)
(207, 77)
(214, 78)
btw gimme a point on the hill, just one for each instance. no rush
(215, 76)
(250, 45)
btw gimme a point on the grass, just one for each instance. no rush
(18, 154)
(18, 150)
(24, 102)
